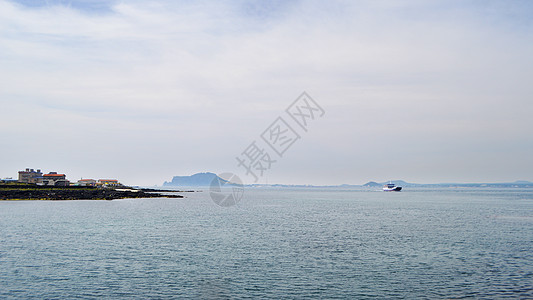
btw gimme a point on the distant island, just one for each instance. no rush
(205, 179)
(196, 180)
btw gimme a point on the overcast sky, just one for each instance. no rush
(424, 91)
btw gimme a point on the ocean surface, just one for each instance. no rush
(276, 243)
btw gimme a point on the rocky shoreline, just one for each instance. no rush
(34, 192)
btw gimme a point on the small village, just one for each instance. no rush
(33, 184)
(35, 176)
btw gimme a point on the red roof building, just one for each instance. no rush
(54, 179)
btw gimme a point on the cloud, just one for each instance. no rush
(187, 86)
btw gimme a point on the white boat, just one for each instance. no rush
(391, 187)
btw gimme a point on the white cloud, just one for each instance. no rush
(197, 82)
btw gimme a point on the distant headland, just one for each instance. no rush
(205, 179)
(196, 180)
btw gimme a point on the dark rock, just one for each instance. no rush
(74, 193)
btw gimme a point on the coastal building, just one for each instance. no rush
(109, 182)
(87, 182)
(30, 176)
(53, 179)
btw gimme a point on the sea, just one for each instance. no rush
(275, 243)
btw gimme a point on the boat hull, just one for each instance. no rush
(395, 189)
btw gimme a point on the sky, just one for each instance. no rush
(141, 91)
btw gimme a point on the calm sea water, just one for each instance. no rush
(277, 243)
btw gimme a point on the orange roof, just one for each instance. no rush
(53, 175)
(108, 180)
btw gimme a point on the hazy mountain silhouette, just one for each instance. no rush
(205, 179)
(199, 179)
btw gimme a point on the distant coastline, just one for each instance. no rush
(205, 179)
(35, 192)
